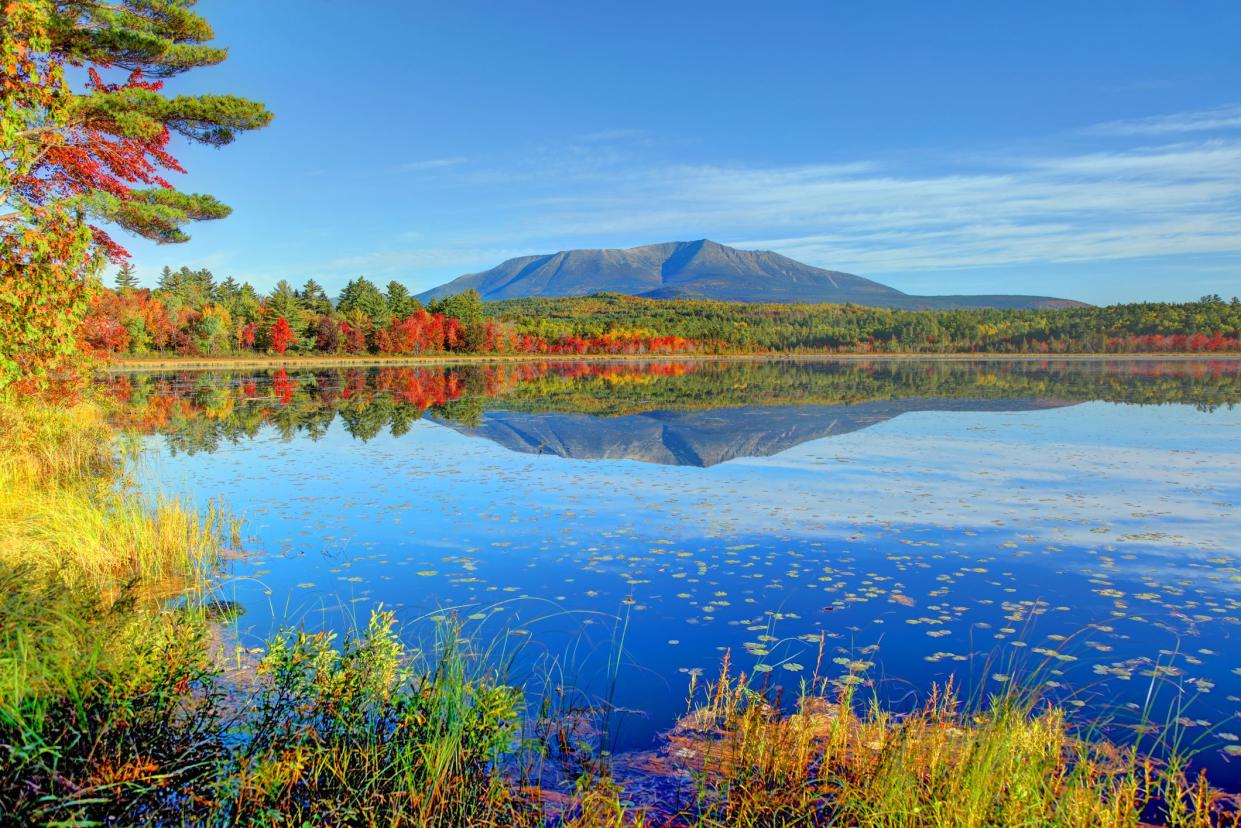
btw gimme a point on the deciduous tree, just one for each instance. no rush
(281, 336)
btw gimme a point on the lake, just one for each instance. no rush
(611, 529)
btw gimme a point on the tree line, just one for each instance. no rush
(200, 411)
(190, 312)
(1211, 324)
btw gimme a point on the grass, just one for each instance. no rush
(839, 761)
(115, 707)
(69, 507)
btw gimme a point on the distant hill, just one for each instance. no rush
(703, 270)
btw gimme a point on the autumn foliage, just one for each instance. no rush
(72, 162)
(281, 336)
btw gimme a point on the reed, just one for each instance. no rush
(838, 760)
(69, 505)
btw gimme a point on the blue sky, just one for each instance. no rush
(1090, 150)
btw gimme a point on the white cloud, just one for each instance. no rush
(1222, 117)
(1176, 199)
(428, 164)
(1169, 198)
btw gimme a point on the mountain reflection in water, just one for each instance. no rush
(667, 412)
(703, 438)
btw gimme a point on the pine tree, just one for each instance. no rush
(226, 292)
(169, 280)
(125, 278)
(78, 155)
(314, 299)
(283, 301)
(400, 303)
(111, 152)
(362, 295)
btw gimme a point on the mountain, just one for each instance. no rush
(706, 437)
(702, 270)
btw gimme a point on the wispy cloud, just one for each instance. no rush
(428, 164)
(1222, 117)
(1174, 197)
(616, 135)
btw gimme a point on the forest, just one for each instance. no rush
(191, 313)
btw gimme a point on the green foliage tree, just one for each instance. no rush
(284, 302)
(466, 306)
(226, 291)
(363, 296)
(314, 299)
(169, 280)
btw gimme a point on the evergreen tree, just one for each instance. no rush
(110, 142)
(202, 287)
(400, 303)
(226, 292)
(362, 295)
(284, 302)
(152, 40)
(314, 299)
(125, 278)
(247, 307)
(466, 306)
(169, 280)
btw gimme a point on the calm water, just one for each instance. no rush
(619, 526)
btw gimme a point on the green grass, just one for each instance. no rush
(114, 705)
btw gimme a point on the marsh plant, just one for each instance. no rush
(841, 759)
(115, 706)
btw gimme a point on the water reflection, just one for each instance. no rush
(678, 413)
(703, 438)
(931, 519)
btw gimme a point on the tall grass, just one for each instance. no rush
(69, 508)
(838, 760)
(114, 709)
(365, 734)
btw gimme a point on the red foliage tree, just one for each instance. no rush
(281, 336)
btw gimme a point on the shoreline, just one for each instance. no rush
(373, 360)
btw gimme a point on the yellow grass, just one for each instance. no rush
(67, 507)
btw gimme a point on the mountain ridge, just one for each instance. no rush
(703, 269)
